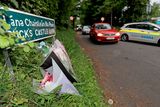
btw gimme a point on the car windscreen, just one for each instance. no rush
(86, 27)
(78, 26)
(103, 26)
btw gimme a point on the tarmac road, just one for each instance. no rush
(128, 72)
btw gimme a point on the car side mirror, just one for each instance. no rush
(156, 29)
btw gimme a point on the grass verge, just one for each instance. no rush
(26, 67)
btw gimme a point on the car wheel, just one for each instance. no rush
(90, 37)
(124, 37)
(116, 42)
(158, 42)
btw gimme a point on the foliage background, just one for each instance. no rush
(93, 10)
(26, 65)
(60, 10)
(18, 92)
(89, 11)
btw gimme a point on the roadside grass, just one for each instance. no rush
(19, 93)
(83, 68)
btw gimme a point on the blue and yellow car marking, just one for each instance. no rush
(147, 37)
(140, 32)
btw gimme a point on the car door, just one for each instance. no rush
(132, 31)
(140, 32)
(146, 33)
(143, 33)
(153, 34)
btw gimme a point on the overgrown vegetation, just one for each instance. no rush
(60, 10)
(19, 93)
(89, 11)
(155, 12)
(117, 12)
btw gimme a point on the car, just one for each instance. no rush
(141, 31)
(104, 32)
(78, 27)
(86, 29)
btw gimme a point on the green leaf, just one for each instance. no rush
(43, 101)
(2, 22)
(15, 3)
(31, 44)
(22, 76)
(17, 40)
(11, 41)
(3, 42)
(18, 101)
(2, 31)
(6, 26)
(26, 48)
(5, 8)
(22, 38)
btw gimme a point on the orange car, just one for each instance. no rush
(103, 32)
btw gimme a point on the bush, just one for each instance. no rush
(19, 93)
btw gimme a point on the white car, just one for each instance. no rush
(78, 27)
(86, 29)
(141, 31)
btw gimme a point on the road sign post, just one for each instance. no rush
(72, 21)
(102, 19)
(8, 64)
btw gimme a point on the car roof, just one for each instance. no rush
(141, 23)
(101, 23)
(86, 25)
(138, 23)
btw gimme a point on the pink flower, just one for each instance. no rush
(47, 78)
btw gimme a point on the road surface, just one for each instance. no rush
(128, 72)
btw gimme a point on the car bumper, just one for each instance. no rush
(78, 29)
(108, 39)
(85, 32)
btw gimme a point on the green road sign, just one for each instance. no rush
(30, 26)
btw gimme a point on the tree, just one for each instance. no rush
(155, 12)
(136, 10)
(59, 10)
(95, 9)
(112, 10)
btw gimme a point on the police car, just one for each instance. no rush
(141, 31)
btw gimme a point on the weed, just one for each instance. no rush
(26, 67)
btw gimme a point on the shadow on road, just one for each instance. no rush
(144, 43)
(101, 43)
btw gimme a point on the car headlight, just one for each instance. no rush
(99, 34)
(118, 34)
